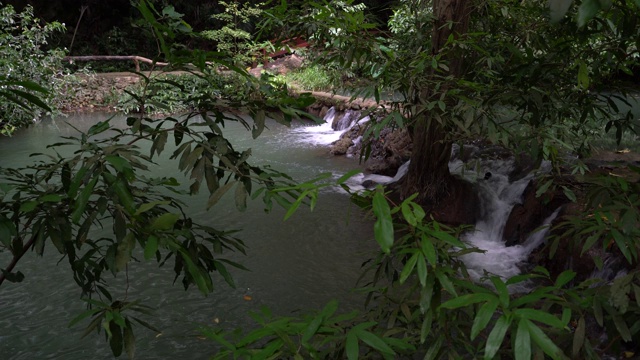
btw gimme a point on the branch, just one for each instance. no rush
(17, 258)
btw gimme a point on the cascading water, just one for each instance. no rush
(336, 123)
(497, 194)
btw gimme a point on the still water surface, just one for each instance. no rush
(298, 264)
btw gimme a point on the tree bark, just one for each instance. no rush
(428, 173)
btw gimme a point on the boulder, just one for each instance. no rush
(530, 213)
(341, 146)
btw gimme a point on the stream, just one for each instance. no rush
(295, 265)
(298, 264)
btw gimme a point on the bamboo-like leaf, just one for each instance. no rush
(483, 317)
(151, 247)
(351, 347)
(164, 221)
(129, 340)
(217, 195)
(494, 341)
(564, 278)
(522, 346)
(540, 316)
(428, 250)
(115, 340)
(587, 10)
(579, 337)
(347, 176)
(82, 200)
(466, 300)
(501, 288)
(259, 122)
(558, 9)
(241, 196)
(543, 341)
(375, 342)
(422, 269)
(383, 227)
(407, 270)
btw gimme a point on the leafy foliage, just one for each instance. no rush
(64, 201)
(25, 65)
(233, 38)
(422, 302)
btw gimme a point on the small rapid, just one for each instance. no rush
(497, 192)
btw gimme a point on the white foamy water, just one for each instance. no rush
(325, 133)
(497, 196)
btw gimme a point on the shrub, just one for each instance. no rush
(24, 63)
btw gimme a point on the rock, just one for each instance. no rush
(462, 206)
(323, 111)
(530, 213)
(341, 146)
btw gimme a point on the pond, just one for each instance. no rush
(295, 265)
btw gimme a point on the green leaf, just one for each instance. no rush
(483, 317)
(579, 337)
(241, 196)
(7, 231)
(375, 342)
(543, 341)
(408, 267)
(569, 194)
(351, 347)
(466, 300)
(217, 195)
(540, 316)
(129, 340)
(587, 10)
(123, 251)
(347, 176)
(583, 83)
(522, 346)
(84, 315)
(312, 328)
(28, 206)
(558, 9)
(99, 127)
(428, 250)
(82, 199)
(622, 328)
(258, 119)
(564, 278)
(165, 221)
(543, 189)
(448, 238)
(501, 288)
(494, 341)
(148, 206)
(422, 269)
(50, 198)
(383, 227)
(115, 341)
(151, 247)
(622, 244)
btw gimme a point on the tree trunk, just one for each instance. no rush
(428, 172)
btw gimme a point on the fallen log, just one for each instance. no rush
(136, 59)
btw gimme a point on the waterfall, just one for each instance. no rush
(334, 125)
(498, 195)
(347, 120)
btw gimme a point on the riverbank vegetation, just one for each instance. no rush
(540, 81)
